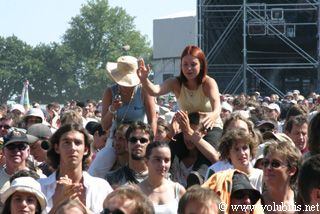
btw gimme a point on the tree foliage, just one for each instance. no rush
(74, 69)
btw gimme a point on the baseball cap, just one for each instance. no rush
(274, 106)
(18, 107)
(36, 112)
(265, 123)
(296, 92)
(16, 136)
(277, 136)
(226, 106)
(40, 131)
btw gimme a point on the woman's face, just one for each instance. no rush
(239, 124)
(161, 134)
(190, 66)
(23, 202)
(240, 155)
(159, 161)
(275, 170)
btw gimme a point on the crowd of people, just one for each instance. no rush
(179, 147)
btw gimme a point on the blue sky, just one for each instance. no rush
(45, 21)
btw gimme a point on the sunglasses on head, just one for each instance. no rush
(5, 126)
(142, 140)
(108, 211)
(274, 164)
(19, 146)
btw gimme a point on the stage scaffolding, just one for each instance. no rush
(270, 46)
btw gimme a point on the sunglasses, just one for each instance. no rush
(108, 211)
(19, 146)
(263, 130)
(241, 194)
(5, 126)
(142, 140)
(275, 164)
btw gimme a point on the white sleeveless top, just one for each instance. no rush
(171, 207)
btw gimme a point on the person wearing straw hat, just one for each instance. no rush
(123, 102)
(24, 196)
(126, 101)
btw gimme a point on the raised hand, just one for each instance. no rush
(143, 70)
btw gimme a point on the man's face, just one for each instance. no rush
(299, 135)
(32, 120)
(37, 152)
(240, 199)
(5, 125)
(225, 114)
(137, 144)
(16, 154)
(273, 114)
(71, 148)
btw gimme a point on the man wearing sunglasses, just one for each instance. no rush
(138, 136)
(6, 123)
(16, 151)
(40, 144)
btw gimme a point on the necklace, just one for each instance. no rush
(129, 104)
(190, 92)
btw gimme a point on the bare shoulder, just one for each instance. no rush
(179, 187)
(209, 83)
(171, 85)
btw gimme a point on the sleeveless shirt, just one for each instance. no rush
(195, 101)
(171, 207)
(133, 110)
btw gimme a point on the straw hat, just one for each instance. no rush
(25, 184)
(124, 71)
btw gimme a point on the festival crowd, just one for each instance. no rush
(178, 147)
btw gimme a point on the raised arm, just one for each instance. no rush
(150, 105)
(109, 108)
(154, 90)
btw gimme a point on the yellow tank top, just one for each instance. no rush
(195, 101)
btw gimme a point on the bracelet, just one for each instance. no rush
(112, 112)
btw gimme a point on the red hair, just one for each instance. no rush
(199, 54)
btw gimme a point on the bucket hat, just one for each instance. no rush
(124, 71)
(25, 184)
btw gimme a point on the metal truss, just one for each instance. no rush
(268, 20)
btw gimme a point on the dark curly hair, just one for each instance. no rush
(54, 158)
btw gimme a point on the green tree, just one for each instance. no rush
(16, 65)
(97, 36)
(55, 79)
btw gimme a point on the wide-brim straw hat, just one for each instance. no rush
(26, 184)
(124, 71)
